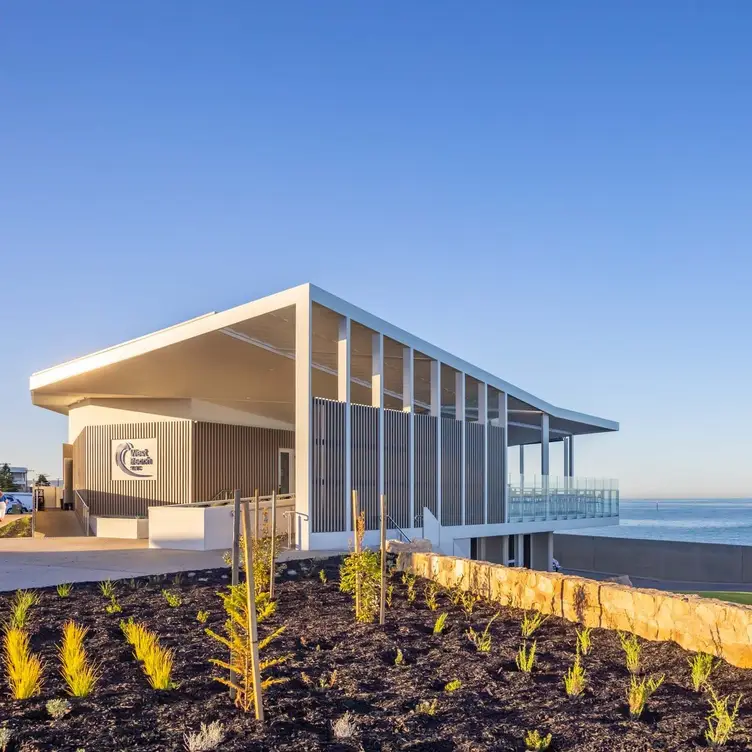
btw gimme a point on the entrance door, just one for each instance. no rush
(286, 472)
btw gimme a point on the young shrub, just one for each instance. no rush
(262, 554)
(107, 588)
(411, 588)
(584, 643)
(701, 666)
(632, 650)
(23, 669)
(173, 599)
(456, 592)
(113, 607)
(530, 624)
(481, 641)
(138, 637)
(431, 593)
(22, 601)
(322, 576)
(440, 623)
(427, 708)
(525, 658)
(236, 639)
(157, 665)
(202, 616)
(64, 589)
(721, 721)
(58, 708)
(6, 736)
(361, 570)
(639, 692)
(389, 595)
(206, 739)
(535, 741)
(468, 603)
(177, 580)
(79, 674)
(345, 727)
(400, 659)
(575, 680)
(453, 685)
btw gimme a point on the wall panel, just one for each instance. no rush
(397, 466)
(365, 460)
(426, 481)
(496, 474)
(451, 471)
(328, 499)
(475, 467)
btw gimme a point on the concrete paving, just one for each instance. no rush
(45, 562)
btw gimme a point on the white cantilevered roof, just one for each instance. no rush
(244, 358)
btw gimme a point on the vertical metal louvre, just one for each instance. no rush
(475, 467)
(451, 471)
(328, 492)
(397, 466)
(496, 474)
(365, 460)
(426, 481)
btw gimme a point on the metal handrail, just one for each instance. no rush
(85, 512)
(289, 513)
(395, 526)
(225, 495)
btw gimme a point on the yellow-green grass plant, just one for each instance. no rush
(440, 623)
(584, 641)
(701, 666)
(107, 588)
(202, 616)
(138, 637)
(525, 658)
(23, 669)
(531, 623)
(400, 658)
(431, 593)
(157, 665)
(481, 640)
(721, 720)
(173, 599)
(22, 601)
(640, 691)
(575, 679)
(424, 707)
(64, 589)
(78, 672)
(536, 742)
(632, 651)
(453, 685)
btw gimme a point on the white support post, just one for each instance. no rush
(436, 412)
(459, 414)
(545, 460)
(343, 395)
(408, 406)
(377, 397)
(483, 419)
(504, 455)
(303, 410)
(571, 456)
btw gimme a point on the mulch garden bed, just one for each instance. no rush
(494, 707)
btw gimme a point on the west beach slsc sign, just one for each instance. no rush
(134, 459)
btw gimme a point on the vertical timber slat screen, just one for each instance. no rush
(451, 471)
(328, 461)
(397, 466)
(365, 460)
(475, 467)
(426, 480)
(496, 474)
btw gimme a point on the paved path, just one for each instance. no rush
(43, 562)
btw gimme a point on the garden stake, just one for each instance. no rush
(274, 540)
(235, 560)
(382, 609)
(357, 550)
(250, 594)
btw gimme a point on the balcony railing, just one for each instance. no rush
(545, 497)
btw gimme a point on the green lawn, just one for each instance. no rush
(724, 595)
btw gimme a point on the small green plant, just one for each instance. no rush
(107, 588)
(411, 588)
(431, 593)
(639, 692)
(525, 658)
(632, 650)
(6, 736)
(113, 607)
(322, 576)
(360, 575)
(64, 589)
(22, 601)
(701, 666)
(575, 680)
(453, 685)
(531, 623)
(482, 640)
(721, 720)
(469, 600)
(325, 681)
(58, 708)
(345, 726)
(202, 616)
(584, 643)
(206, 739)
(427, 708)
(23, 669)
(80, 675)
(400, 658)
(177, 579)
(440, 623)
(457, 592)
(536, 742)
(173, 599)
(389, 595)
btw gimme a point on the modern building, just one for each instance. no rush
(304, 393)
(20, 476)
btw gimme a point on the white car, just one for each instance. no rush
(17, 503)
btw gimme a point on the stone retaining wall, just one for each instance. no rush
(697, 624)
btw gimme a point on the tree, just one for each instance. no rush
(42, 480)
(6, 479)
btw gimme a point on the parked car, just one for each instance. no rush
(17, 503)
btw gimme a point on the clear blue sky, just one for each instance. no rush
(559, 192)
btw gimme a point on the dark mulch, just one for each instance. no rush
(491, 711)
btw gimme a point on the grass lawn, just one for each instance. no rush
(724, 595)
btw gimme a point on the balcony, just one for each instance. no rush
(534, 498)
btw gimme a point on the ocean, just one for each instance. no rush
(695, 520)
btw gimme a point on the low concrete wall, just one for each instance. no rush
(695, 623)
(660, 560)
(128, 528)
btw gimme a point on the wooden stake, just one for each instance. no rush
(382, 609)
(356, 548)
(250, 594)
(273, 545)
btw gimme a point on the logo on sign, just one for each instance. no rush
(134, 459)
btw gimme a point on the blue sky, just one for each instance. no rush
(560, 193)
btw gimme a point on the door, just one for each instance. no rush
(286, 472)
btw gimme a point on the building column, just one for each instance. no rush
(565, 445)
(504, 456)
(571, 456)
(459, 414)
(408, 406)
(545, 460)
(483, 418)
(436, 412)
(343, 395)
(377, 399)
(303, 409)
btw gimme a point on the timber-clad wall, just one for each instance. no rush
(92, 467)
(426, 477)
(451, 471)
(328, 467)
(245, 457)
(496, 475)
(397, 466)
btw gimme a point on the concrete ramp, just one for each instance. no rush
(58, 523)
